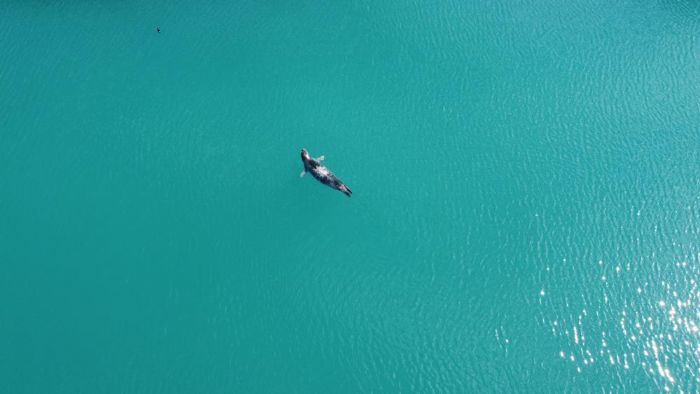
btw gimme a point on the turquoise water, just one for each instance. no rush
(525, 217)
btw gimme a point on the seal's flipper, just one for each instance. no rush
(321, 158)
(303, 172)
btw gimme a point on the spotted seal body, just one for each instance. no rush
(321, 173)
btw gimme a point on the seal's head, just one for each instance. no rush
(305, 155)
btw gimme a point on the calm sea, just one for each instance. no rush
(525, 217)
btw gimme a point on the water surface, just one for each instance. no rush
(525, 215)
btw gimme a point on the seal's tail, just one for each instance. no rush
(346, 190)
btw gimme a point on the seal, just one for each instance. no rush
(321, 173)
